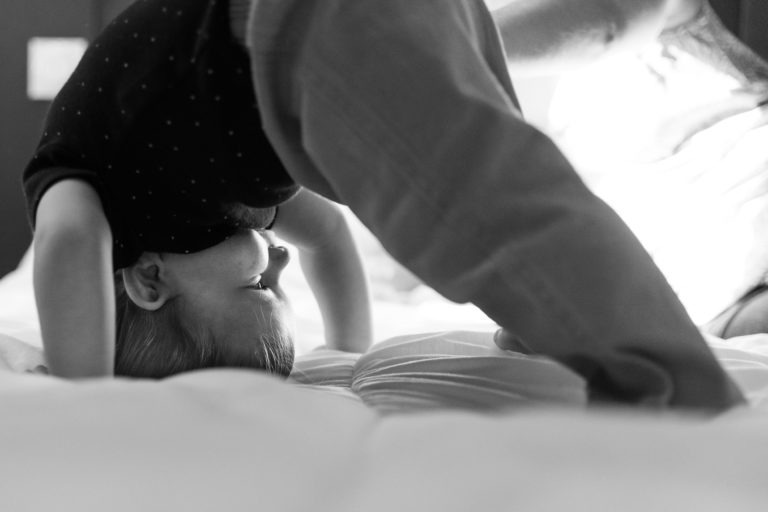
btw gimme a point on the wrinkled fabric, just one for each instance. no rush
(457, 370)
(404, 111)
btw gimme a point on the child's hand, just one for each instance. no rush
(506, 340)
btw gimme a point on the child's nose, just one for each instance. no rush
(278, 260)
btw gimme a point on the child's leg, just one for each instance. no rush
(403, 110)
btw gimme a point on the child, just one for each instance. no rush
(153, 163)
(402, 110)
(224, 306)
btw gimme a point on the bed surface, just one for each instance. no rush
(237, 440)
(234, 440)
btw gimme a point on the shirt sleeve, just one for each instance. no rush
(45, 171)
(405, 112)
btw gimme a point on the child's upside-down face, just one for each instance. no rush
(233, 289)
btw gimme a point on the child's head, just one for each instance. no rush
(222, 306)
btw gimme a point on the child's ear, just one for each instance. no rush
(144, 282)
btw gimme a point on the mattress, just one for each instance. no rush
(240, 440)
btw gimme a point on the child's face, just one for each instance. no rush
(233, 289)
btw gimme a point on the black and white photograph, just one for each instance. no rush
(384, 255)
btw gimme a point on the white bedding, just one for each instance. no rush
(235, 440)
(678, 149)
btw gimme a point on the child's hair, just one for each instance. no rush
(157, 344)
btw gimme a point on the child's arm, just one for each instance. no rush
(333, 268)
(73, 282)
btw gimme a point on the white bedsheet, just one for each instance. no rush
(236, 440)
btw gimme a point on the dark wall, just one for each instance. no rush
(748, 19)
(729, 12)
(21, 118)
(754, 27)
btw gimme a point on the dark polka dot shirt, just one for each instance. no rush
(160, 118)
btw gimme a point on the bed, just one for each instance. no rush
(239, 440)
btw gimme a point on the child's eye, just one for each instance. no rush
(258, 286)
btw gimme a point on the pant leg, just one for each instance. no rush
(402, 110)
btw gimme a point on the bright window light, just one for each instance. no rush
(50, 62)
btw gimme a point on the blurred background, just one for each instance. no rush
(40, 43)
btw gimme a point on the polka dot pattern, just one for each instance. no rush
(160, 118)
